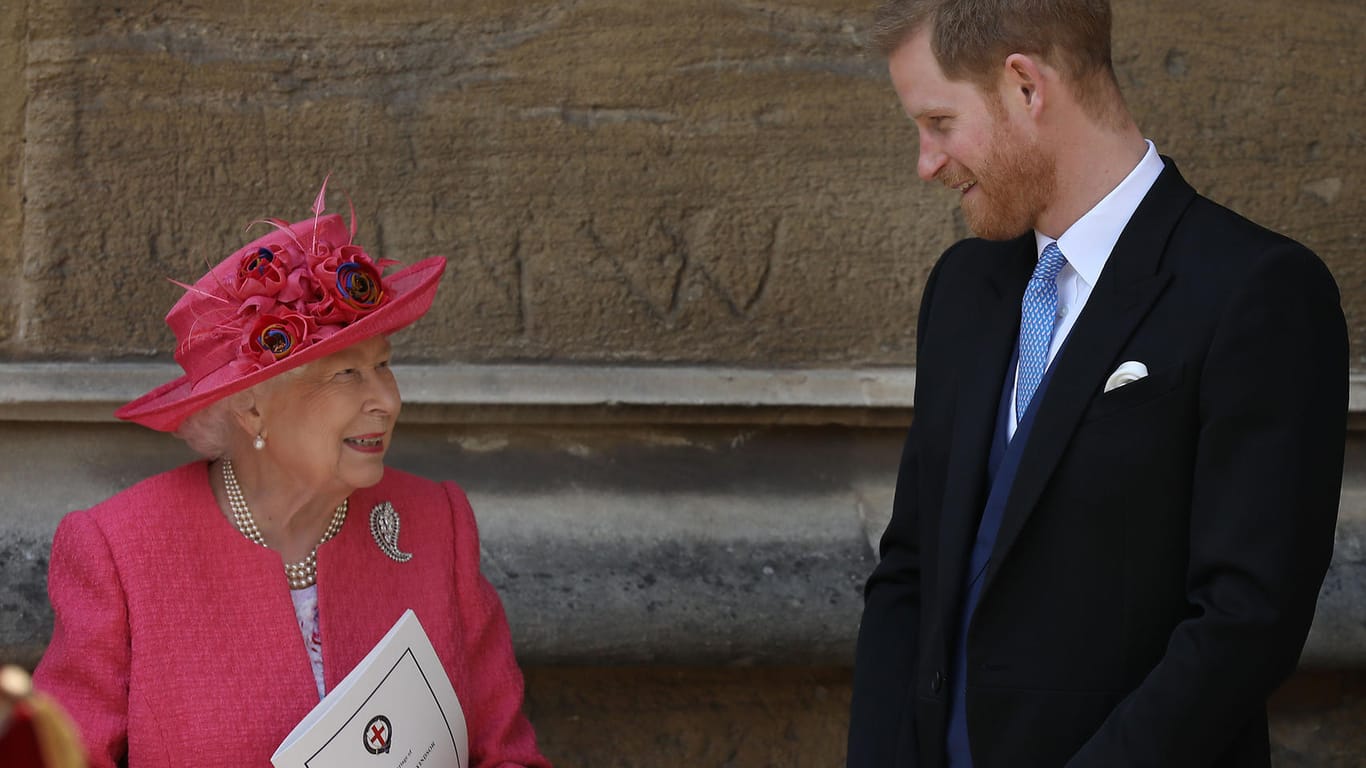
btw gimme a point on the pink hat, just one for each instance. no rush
(296, 295)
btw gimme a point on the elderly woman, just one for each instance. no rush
(201, 613)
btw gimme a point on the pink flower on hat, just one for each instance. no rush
(350, 285)
(298, 292)
(262, 271)
(274, 335)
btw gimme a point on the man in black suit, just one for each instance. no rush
(1116, 504)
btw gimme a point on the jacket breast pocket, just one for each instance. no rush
(1136, 394)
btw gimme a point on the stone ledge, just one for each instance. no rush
(537, 394)
(544, 393)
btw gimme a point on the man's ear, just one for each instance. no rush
(1026, 83)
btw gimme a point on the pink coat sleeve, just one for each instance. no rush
(491, 694)
(86, 666)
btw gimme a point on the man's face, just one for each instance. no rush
(969, 143)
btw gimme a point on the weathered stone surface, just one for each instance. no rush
(617, 544)
(727, 182)
(649, 717)
(1339, 633)
(25, 615)
(614, 185)
(1338, 637)
(1316, 720)
(12, 100)
(759, 717)
(686, 545)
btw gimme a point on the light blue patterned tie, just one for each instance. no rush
(1038, 316)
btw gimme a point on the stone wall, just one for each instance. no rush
(671, 358)
(13, 62)
(706, 181)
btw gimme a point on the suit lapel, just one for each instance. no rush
(1127, 288)
(982, 374)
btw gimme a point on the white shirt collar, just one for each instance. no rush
(1088, 242)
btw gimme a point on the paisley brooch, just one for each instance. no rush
(384, 525)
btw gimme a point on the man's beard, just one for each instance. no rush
(1015, 182)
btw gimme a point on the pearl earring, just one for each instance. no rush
(259, 443)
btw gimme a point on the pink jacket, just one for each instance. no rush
(175, 641)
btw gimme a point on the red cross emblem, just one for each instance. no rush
(378, 735)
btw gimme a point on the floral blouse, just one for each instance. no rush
(306, 609)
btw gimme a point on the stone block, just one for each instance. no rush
(12, 142)
(612, 184)
(616, 544)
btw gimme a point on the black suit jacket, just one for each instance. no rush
(1160, 554)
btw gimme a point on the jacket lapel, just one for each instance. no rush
(358, 599)
(1127, 288)
(982, 374)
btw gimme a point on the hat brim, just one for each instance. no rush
(411, 290)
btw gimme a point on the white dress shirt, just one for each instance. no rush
(1086, 245)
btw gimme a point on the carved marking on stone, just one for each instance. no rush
(494, 256)
(592, 117)
(809, 41)
(652, 264)
(733, 251)
(729, 253)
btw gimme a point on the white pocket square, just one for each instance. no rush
(1126, 373)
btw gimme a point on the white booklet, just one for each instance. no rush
(396, 709)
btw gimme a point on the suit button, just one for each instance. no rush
(937, 682)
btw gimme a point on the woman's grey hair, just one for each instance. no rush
(209, 431)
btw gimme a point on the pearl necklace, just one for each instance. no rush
(302, 574)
